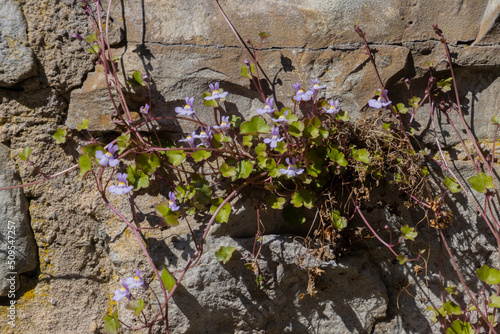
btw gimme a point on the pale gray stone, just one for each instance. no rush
(15, 229)
(17, 60)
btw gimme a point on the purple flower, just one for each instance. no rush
(268, 109)
(381, 102)
(122, 293)
(316, 87)
(121, 188)
(273, 141)
(108, 158)
(291, 171)
(190, 139)
(224, 125)
(205, 136)
(187, 110)
(216, 95)
(300, 94)
(145, 109)
(282, 119)
(172, 204)
(77, 36)
(134, 282)
(334, 107)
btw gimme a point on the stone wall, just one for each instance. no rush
(49, 80)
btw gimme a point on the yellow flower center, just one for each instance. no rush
(316, 85)
(267, 106)
(108, 154)
(202, 133)
(170, 202)
(300, 91)
(121, 184)
(187, 106)
(215, 92)
(282, 118)
(223, 123)
(136, 278)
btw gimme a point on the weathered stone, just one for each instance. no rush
(17, 61)
(17, 247)
(350, 298)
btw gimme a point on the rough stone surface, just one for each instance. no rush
(84, 250)
(17, 60)
(17, 246)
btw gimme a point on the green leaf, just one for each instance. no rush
(171, 217)
(225, 211)
(138, 78)
(111, 323)
(361, 155)
(83, 125)
(303, 198)
(25, 155)
(91, 38)
(337, 157)
(227, 171)
(452, 309)
(60, 136)
(137, 178)
(408, 233)
(247, 141)
(224, 253)
(200, 155)
(264, 35)
(296, 128)
(387, 126)
(276, 202)
(481, 182)
(255, 126)
(496, 120)
(244, 72)
(281, 147)
(459, 327)
(147, 162)
(85, 164)
(244, 169)
(94, 49)
(488, 275)
(402, 258)
(338, 221)
(293, 215)
(176, 157)
(452, 185)
(452, 290)
(136, 305)
(91, 149)
(414, 102)
(494, 301)
(342, 116)
(122, 142)
(261, 150)
(167, 279)
(444, 85)
(401, 108)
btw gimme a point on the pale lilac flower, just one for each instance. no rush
(381, 102)
(145, 78)
(134, 282)
(108, 158)
(121, 188)
(316, 87)
(224, 124)
(77, 36)
(334, 107)
(268, 109)
(291, 171)
(145, 109)
(190, 139)
(206, 136)
(187, 110)
(216, 95)
(172, 204)
(273, 141)
(300, 94)
(282, 119)
(122, 293)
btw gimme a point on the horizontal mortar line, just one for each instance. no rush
(273, 48)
